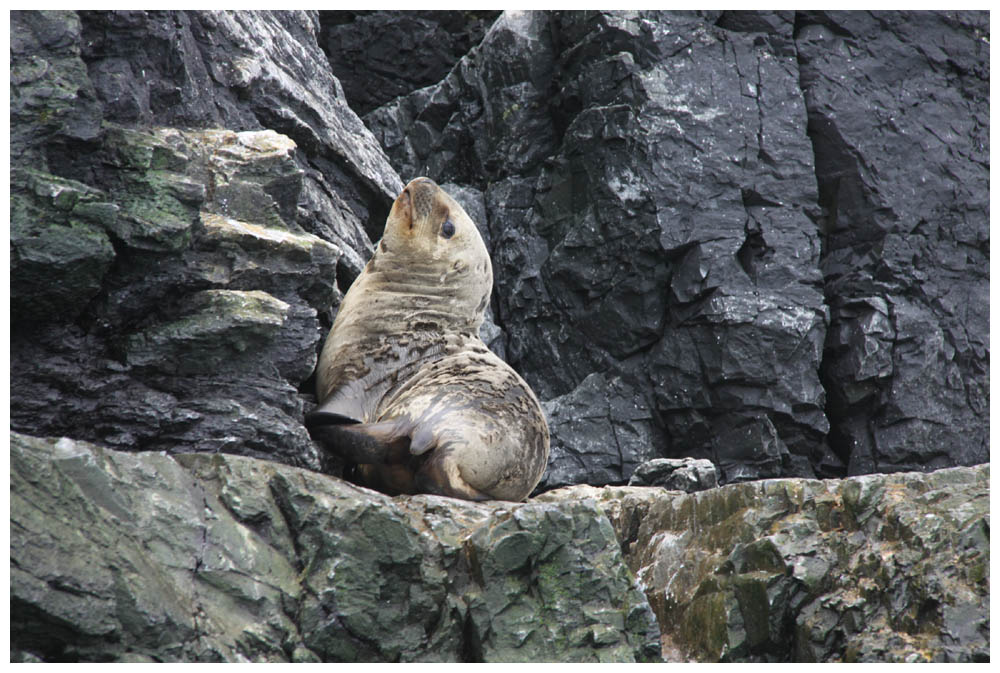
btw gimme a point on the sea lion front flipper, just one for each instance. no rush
(363, 443)
(318, 417)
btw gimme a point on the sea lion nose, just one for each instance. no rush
(422, 180)
(422, 192)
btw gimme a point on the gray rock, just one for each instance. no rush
(60, 249)
(902, 163)
(377, 56)
(249, 71)
(199, 336)
(600, 264)
(692, 198)
(684, 474)
(125, 557)
(52, 98)
(872, 568)
(601, 431)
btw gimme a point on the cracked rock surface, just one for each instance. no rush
(147, 557)
(902, 165)
(772, 226)
(871, 568)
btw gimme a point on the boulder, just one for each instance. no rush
(683, 474)
(150, 557)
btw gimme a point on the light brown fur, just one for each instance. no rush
(407, 388)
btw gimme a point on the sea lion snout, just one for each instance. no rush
(404, 205)
(423, 193)
(415, 203)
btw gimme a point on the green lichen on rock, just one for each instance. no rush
(159, 202)
(217, 328)
(545, 581)
(201, 557)
(60, 252)
(51, 95)
(870, 568)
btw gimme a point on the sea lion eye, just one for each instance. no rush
(448, 229)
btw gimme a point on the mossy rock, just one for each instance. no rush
(60, 251)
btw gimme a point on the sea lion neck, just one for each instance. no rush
(431, 251)
(422, 295)
(427, 296)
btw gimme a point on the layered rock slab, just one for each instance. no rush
(137, 557)
(178, 308)
(248, 70)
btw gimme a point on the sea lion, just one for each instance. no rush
(408, 390)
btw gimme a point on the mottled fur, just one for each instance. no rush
(409, 391)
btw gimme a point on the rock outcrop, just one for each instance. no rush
(141, 557)
(144, 556)
(871, 568)
(714, 214)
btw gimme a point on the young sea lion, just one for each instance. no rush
(409, 391)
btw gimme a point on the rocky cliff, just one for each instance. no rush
(754, 238)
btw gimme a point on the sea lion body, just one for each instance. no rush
(408, 390)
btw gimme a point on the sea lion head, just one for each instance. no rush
(431, 237)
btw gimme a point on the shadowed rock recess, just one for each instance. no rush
(728, 247)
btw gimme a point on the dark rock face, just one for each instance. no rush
(377, 55)
(704, 205)
(902, 163)
(695, 270)
(194, 313)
